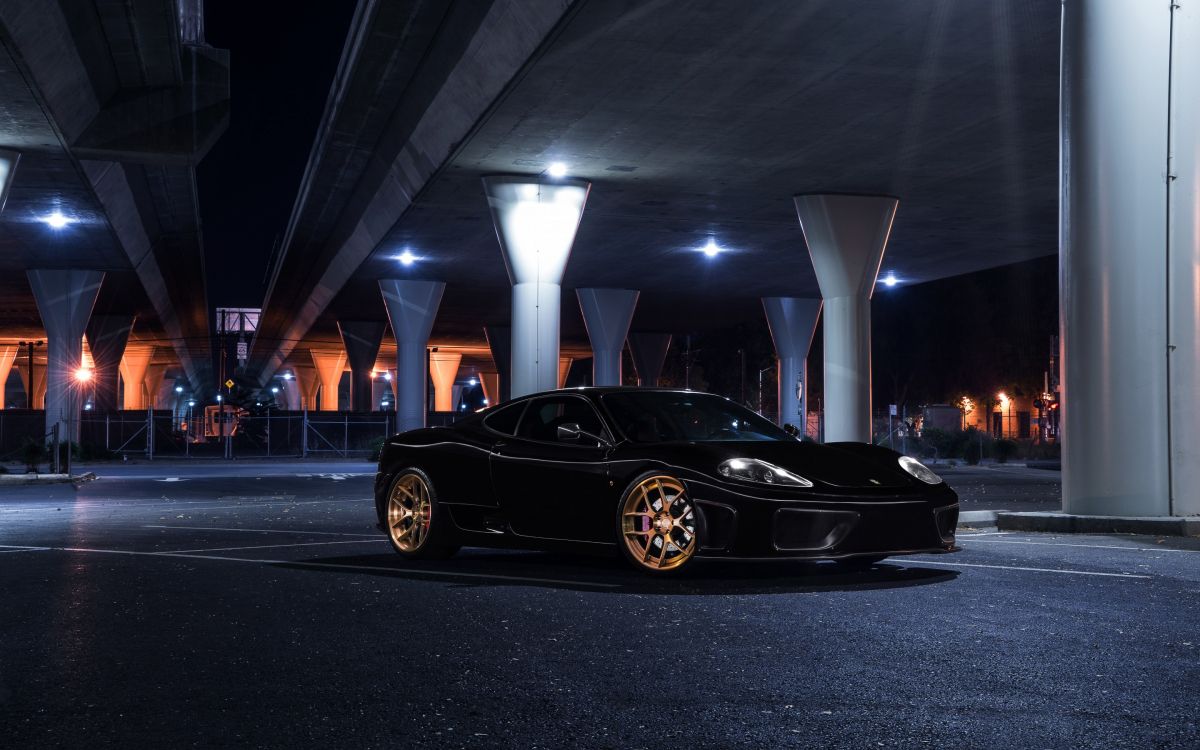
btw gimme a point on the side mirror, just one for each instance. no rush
(568, 433)
(791, 429)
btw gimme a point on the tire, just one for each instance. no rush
(416, 523)
(658, 527)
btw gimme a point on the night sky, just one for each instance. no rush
(975, 333)
(283, 56)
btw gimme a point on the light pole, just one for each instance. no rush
(760, 387)
(187, 433)
(274, 393)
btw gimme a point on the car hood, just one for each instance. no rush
(824, 464)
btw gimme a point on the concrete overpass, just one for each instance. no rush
(110, 106)
(705, 125)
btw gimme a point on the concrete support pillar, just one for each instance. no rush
(8, 355)
(846, 237)
(40, 387)
(329, 365)
(361, 339)
(1129, 254)
(134, 363)
(411, 307)
(793, 322)
(649, 352)
(290, 395)
(490, 382)
(536, 220)
(607, 314)
(154, 384)
(107, 336)
(443, 369)
(64, 300)
(307, 383)
(499, 340)
(1184, 271)
(564, 369)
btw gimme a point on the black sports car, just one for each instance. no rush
(665, 476)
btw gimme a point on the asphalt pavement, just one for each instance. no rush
(255, 605)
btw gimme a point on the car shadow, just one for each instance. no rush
(611, 575)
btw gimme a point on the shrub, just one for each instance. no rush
(377, 447)
(975, 446)
(1004, 449)
(32, 453)
(940, 443)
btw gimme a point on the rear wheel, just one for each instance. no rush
(416, 523)
(658, 525)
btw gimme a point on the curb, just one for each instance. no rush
(1066, 523)
(977, 518)
(22, 480)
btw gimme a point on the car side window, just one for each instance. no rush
(545, 415)
(504, 420)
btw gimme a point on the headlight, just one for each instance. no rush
(919, 470)
(761, 472)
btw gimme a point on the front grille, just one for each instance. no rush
(947, 522)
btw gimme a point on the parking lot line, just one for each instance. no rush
(1088, 546)
(1017, 567)
(272, 546)
(257, 531)
(329, 566)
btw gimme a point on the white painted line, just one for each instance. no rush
(337, 566)
(271, 546)
(1087, 546)
(171, 479)
(259, 531)
(1016, 567)
(6, 548)
(984, 533)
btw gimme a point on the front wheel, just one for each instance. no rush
(658, 525)
(416, 523)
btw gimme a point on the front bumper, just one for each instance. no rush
(740, 525)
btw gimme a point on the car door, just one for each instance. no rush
(552, 488)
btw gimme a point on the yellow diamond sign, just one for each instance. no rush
(229, 383)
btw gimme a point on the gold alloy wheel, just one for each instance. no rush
(658, 524)
(409, 511)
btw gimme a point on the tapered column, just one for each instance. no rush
(107, 336)
(8, 355)
(607, 314)
(846, 237)
(154, 382)
(134, 362)
(40, 380)
(536, 220)
(1184, 352)
(307, 382)
(564, 369)
(499, 340)
(649, 352)
(490, 381)
(329, 364)
(443, 369)
(361, 339)
(1130, 250)
(412, 307)
(64, 300)
(290, 390)
(793, 322)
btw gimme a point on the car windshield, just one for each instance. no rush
(660, 416)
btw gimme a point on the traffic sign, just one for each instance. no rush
(229, 383)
